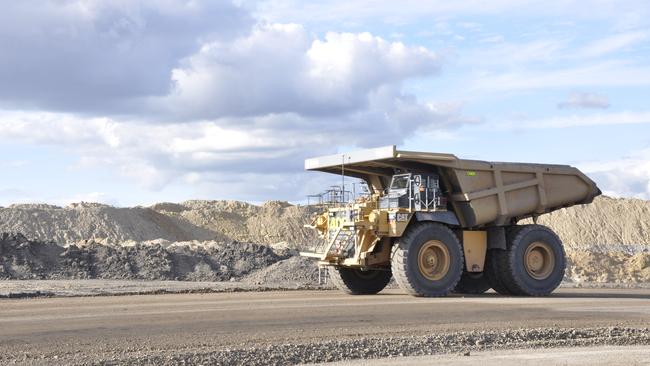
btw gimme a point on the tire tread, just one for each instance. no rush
(352, 285)
(509, 261)
(400, 265)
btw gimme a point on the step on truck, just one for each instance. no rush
(439, 224)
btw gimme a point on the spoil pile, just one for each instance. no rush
(294, 270)
(611, 267)
(21, 258)
(269, 223)
(606, 223)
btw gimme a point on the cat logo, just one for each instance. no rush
(401, 217)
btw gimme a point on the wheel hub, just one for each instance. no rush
(433, 260)
(539, 260)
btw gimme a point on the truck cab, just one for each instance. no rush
(418, 192)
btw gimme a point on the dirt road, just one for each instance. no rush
(302, 326)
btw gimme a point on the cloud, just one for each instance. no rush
(281, 68)
(189, 60)
(612, 43)
(194, 92)
(625, 177)
(197, 93)
(585, 100)
(500, 53)
(102, 55)
(608, 73)
(557, 60)
(583, 120)
(240, 149)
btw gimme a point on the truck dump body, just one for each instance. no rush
(480, 193)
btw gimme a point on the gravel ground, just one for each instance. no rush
(72, 288)
(569, 356)
(370, 348)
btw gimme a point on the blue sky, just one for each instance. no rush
(134, 102)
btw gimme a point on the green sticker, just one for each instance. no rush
(471, 174)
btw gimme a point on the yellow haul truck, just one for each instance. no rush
(441, 224)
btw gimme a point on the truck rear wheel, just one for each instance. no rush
(534, 262)
(427, 260)
(472, 283)
(355, 281)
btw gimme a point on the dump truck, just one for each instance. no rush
(439, 224)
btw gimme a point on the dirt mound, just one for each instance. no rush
(192, 220)
(612, 267)
(272, 222)
(296, 270)
(21, 258)
(101, 222)
(606, 223)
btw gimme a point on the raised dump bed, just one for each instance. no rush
(438, 223)
(481, 193)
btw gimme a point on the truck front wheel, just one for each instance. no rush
(356, 281)
(427, 260)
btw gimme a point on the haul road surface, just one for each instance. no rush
(309, 326)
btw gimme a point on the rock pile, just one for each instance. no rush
(21, 258)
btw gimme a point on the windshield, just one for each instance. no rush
(400, 181)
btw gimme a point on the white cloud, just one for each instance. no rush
(585, 100)
(189, 91)
(243, 149)
(102, 55)
(609, 74)
(612, 43)
(281, 68)
(625, 177)
(582, 120)
(514, 54)
(556, 61)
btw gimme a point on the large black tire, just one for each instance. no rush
(534, 263)
(493, 270)
(355, 281)
(427, 260)
(472, 283)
